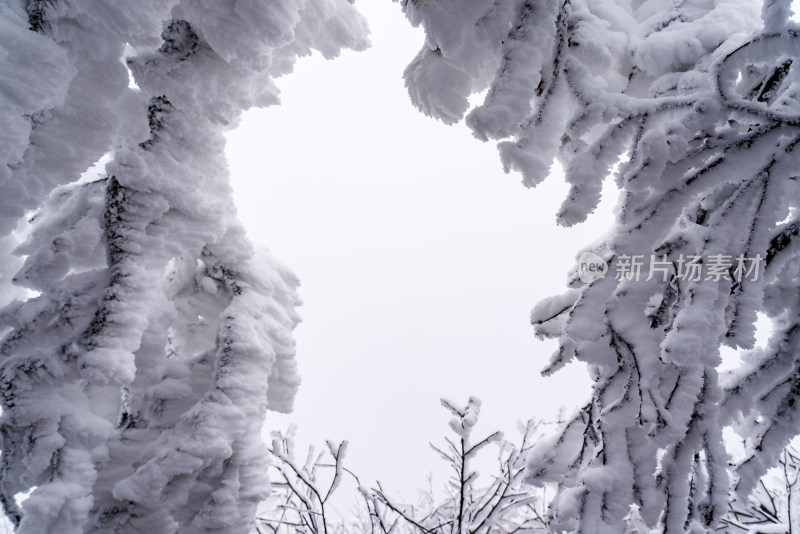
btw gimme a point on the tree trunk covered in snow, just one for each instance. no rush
(136, 373)
(697, 102)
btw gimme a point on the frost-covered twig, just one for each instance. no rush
(771, 505)
(504, 505)
(301, 502)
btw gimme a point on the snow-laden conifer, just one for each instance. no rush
(136, 372)
(693, 108)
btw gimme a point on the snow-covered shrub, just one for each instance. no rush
(494, 502)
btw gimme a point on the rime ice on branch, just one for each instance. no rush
(698, 103)
(134, 381)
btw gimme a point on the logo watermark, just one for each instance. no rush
(690, 267)
(591, 267)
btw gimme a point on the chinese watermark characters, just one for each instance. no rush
(690, 267)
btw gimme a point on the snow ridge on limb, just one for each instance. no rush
(699, 107)
(134, 383)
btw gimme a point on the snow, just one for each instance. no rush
(696, 104)
(136, 379)
(137, 372)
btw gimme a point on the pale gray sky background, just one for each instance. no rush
(419, 259)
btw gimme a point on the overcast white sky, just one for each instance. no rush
(419, 258)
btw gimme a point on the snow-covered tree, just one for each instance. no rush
(143, 336)
(694, 107)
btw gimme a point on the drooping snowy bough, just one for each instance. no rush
(698, 103)
(138, 363)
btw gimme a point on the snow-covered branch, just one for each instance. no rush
(694, 109)
(137, 363)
